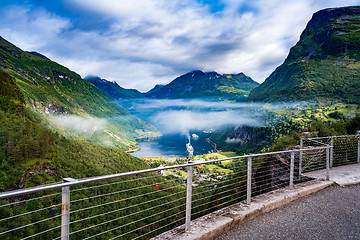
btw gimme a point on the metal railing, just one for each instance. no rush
(142, 204)
(344, 150)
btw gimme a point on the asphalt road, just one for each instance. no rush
(332, 213)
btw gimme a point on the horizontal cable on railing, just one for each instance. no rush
(313, 163)
(271, 188)
(123, 181)
(31, 199)
(122, 191)
(24, 226)
(340, 136)
(180, 219)
(257, 170)
(221, 181)
(230, 179)
(243, 191)
(209, 196)
(236, 183)
(309, 158)
(267, 180)
(214, 185)
(37, 234)
(205, 186)
(229, 175)
(122, 225)
(321, 143)
(34, 211)
(128, 207)
(140, 227)
(125, 199)
(235, 172)
(216, 206)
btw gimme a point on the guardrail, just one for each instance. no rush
(344, 150)
(145, 203)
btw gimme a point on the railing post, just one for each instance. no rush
(327, 163)
(65, 210)
(249, 175)
(188, 197)
(331, 151)
(300, 157)
(358, 136)
(292, 170)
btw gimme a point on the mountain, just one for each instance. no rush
(31, 154)
(154, 89)
(113, 89)
(191, 85)
(198, 84)
(68, 104)
(324, 65)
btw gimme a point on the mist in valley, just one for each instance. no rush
(80, 124)
(184, 115)
(180, 118)
(176, 119)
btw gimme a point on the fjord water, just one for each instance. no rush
(172, 145)
(178, 119)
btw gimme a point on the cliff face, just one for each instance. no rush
(323, 65)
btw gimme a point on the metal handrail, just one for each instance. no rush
(118, 175)
(331, 136)
(212, 195)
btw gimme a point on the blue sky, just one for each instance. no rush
(140, 43)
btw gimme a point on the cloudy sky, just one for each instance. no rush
(140, 43)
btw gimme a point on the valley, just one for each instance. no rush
(313, 93)
(231, 126)
(58, 126)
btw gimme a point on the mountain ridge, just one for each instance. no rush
(198, 84)
(324, 65)
(113, 89)
(194, 84)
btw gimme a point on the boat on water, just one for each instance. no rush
(189, 148)
(195, 136)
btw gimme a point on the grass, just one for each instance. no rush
(319, 112)
(183, 174)
(217, 168)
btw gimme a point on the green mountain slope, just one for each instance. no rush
(73, 106)
(198, 84)
(31, 154)
(113, 89)
(324, 65)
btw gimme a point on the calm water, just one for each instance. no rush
(172, 145)
(177, 119)
(175, 135)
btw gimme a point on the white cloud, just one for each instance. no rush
(184, 121)
(79, 124)
(183, 116)
(31, 29)
(146, 42)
